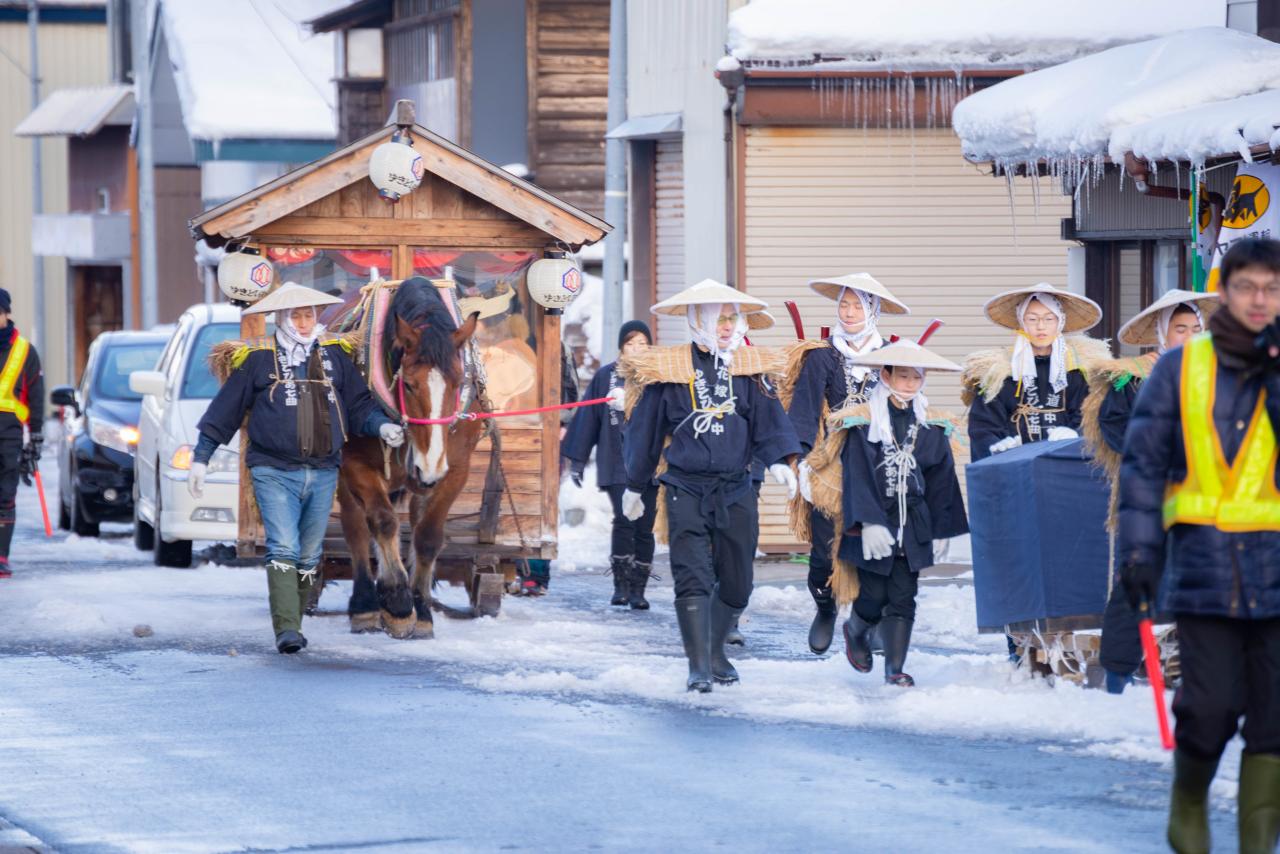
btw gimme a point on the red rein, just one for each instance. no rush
(475, 416)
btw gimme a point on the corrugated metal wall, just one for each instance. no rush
(70, 55)
(669, 243)
(906, 208)
(1109, 207)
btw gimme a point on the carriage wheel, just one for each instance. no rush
(486, 588)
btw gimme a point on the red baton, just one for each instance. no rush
(44, 505)
(1155, 676)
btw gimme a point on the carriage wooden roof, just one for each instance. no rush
(310, 184)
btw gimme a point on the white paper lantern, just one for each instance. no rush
(554, 282)
(245, 277)
(396, 169)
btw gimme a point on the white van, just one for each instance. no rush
(175, 396)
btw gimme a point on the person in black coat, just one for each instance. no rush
(829, 380)
(600, 428)
(21, 422)
(707, 410)
(1113, 387)
(1198, 490)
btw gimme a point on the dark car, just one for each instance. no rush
(95, 457)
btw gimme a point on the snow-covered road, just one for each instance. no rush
(561, 725)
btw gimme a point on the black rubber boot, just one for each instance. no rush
(1259, 804)
(640, 573)
(723, 621)
(1188, 831)
(896, 634)
(856, 647)
(289, 642)
(823, 627)
(735, 636)
(694, 615)
(620, 565)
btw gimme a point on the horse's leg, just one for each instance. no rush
(362, 609)
(424, 555)
(394, 596)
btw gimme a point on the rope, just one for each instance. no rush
(477, 416)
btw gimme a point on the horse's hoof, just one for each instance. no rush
(424, 630)
(366, 623)
(399, 627)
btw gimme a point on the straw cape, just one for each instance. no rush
(986, 370)
(289, 296)
(865, 282)
(711, 292)
(1142, 330)
(1082, 313)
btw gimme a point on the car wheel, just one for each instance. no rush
(64, 515)
(144, 536)
(176, 554)
(80, 526)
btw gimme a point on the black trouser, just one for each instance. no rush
(892, 595)
(633, 538)
(704, 555)
(10, 457)
(1121, 647)
(822, 531)
(1229, 668)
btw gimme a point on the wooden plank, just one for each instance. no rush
(436, 229)
(575, 16)
(469, 503)
(585, 177)
(338, 240)
(571, 38)
(531, 54)
(568, 107)
(553, 129)
(549, 359)
(474, 207)
(571, 152)
(572, 63)
(577, 84)
(374, 205)
(351, 202)
(446, 200)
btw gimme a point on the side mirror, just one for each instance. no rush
(65, 395)
(147, 382)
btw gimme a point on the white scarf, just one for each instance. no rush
(1024, 356)
(881, 429)
(1166, 317)
(295, 346)
(851, 344)
(703, 320)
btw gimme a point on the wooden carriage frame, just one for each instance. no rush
(463, 204)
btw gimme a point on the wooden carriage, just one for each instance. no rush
(324, 225)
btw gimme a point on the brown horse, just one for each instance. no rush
(433, 466)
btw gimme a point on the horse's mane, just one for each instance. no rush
(419, 304)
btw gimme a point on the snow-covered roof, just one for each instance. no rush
(1223, 127)
(250, 70)
(79, 112)
(922, 34)
(1153, 94)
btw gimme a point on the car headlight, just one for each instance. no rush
(117, 437)
(223, 460)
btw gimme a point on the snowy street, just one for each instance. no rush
(563, 724)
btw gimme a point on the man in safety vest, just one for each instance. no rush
(21, 395)
(1198, 482)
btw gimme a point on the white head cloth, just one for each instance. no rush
(851, 344)
(295, 346)
(881, 429)
(1024, 357)
(703, 320)
(1166, 317)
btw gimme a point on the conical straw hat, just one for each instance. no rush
(1082, 313)
(1142, 332)
(760, 320)
(905, 354)
(709, 292)
(865, 282)
(289, 296)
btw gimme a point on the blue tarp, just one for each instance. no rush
(1037, 520)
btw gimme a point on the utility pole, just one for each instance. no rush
(615, 182)
(37, 183)
(146, 207)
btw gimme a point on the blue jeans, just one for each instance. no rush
(295, 507)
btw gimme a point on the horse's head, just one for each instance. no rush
(431, 371)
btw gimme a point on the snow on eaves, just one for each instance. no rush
(250, 70)
(1082, 109)
(928, 34)
(1224, 127)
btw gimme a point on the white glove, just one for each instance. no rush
(940, 549)
(806, 488)
(1006, 444)
(632, 505)
(877, 542)
(617, 399)
(1057, 434)
(392, 434)
(195, 479)
(782, 473)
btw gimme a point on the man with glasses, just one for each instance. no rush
(1198, 484)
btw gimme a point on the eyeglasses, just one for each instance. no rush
(728, 318)
(1040, 320)
(1271, 292)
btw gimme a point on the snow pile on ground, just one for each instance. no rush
(226, 98)
(584, 543)
(1080, 109)
(948, 34)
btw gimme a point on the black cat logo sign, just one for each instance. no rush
(1249, 201)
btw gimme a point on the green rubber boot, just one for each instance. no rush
(1189, 803)
(1259, 804)
(283, 594)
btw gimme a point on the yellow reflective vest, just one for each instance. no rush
(1237, 498)
(9, 377)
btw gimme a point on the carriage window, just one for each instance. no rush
(338, 272)
(492, 283)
